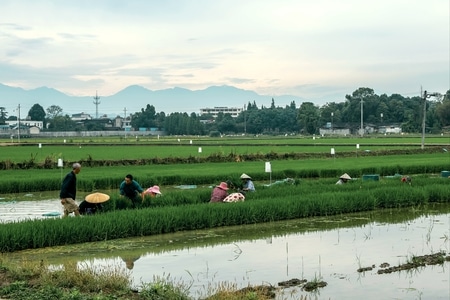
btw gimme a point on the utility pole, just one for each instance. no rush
(125, 121)
(18, 125)
(332, 115)
(362, 117)
(245, 123)
(425, 96)
(96, 102)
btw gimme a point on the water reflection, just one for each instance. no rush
(129, 261)
(328, 248)
(14, 210)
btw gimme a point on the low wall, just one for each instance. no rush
(98, 133)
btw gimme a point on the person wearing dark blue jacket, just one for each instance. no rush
(131, 189)
(69, 191)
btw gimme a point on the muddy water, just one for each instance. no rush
(29, 206)
(330, 249)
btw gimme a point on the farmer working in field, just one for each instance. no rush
(153, 191)
(219, 192)
(131, 189)
(343, 179)
(247, 184)
(69, 191)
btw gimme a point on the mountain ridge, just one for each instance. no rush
(133, 98)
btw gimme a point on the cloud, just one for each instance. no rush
(271, 47)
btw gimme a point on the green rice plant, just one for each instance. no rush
(90, 179)
(180, 210)
(438, 192)
(100, 154)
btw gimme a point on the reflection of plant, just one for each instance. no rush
(368, 235)
(358, 259)
(445, 237)
(430, 229)
(237, 252)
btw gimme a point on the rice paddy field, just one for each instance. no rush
(105, 168)
(31, 167)
(171, 164)
(40, 150)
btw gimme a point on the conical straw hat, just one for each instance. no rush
(345, 176)
(97, 198)
(245, 176)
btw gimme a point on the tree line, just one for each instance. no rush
(308, 118)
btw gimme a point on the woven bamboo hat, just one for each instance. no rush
(97, 198)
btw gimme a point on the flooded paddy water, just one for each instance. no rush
(348, 252)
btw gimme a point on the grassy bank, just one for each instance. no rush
(29, 280)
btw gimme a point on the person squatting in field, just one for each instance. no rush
(131, 189)
(247, 184)
(219, 192)
(86, 208)
(343, 179)
(153, 191)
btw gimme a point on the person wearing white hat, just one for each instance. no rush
(247, 184)
(343, 179)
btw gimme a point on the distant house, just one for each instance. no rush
(123, 123)
(233, 111)
(5, 129)
(334, 131)
(391, 129)
(81, 117)
(27, 123)
(34, 130)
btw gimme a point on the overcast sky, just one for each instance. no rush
(315, 49)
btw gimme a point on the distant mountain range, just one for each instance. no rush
(134, 98)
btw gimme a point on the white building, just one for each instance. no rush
(28, 123)
(80, 117)
(393, 129)
(233, 111)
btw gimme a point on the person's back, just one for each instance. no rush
(219, 192)
(87, 208)
(249, 186)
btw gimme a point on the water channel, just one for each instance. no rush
(329, 249)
